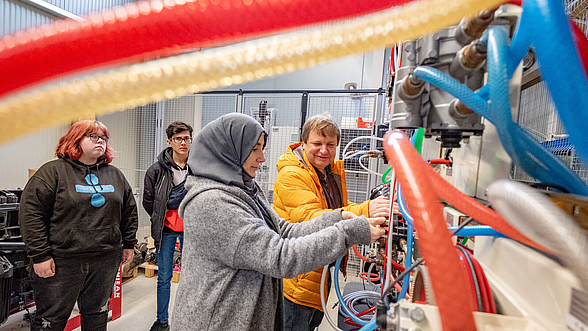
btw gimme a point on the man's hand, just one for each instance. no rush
(379, 207)
(128, 255)
(376, 228)
(45, 269)
(395, 208)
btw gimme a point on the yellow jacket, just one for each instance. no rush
(298, 197)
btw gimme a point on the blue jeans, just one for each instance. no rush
(301, 318)
(165, 271)
(88, 281)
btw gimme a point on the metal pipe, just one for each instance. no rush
(49, 9)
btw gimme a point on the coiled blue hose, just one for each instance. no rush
(340, 297)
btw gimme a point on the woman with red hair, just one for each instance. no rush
(78, 217)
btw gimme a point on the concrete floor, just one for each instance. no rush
(139, 308)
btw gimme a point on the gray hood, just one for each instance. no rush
(222, 147)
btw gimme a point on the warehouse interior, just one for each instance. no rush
(478, 105)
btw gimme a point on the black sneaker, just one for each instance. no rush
(158, 326)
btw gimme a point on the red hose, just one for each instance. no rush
(468, 274)
(489, 305)
(142, 31)
(448, 281)
(364, 275)
(439, 161)
(361, 256)
(581, 44)
(473, 208)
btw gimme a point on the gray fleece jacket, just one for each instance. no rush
(233, 262)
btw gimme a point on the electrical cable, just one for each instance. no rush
(365, 168)
(323, 301)
(384, 180)
(408, 263)
(359, 138)
(488, 300)
(403, 274)
(475, 279)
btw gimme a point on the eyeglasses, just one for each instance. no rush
(94, 137)
(179, 140)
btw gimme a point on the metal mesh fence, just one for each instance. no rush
(213, 106)
(577, 10)
(538, 116)
(132, 135)
(284, 130)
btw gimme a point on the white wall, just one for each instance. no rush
(28, 152)
(365, 69)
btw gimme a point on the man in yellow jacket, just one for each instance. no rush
(310, 182)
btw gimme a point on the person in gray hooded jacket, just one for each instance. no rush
(236, 248)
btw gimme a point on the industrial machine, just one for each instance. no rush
(495, 254)
(16, 293)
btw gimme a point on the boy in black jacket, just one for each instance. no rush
(163, 192)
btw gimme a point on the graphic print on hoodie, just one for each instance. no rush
(97, 199)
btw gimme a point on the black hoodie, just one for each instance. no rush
(69, 209)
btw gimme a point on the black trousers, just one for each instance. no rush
(88, 281)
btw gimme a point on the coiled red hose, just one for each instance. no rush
(144, 30)
(449, 283)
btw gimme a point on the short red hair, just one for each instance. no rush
(69, 144)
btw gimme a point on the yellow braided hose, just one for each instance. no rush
(140, 84)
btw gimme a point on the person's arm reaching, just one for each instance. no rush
(251, 244)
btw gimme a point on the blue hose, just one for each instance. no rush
(408, 264)
(370, 326)
(453, 87)
(477, 230)
(340, 297)
(525, 151)
(402, 206)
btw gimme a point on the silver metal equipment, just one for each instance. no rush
(457, 51)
